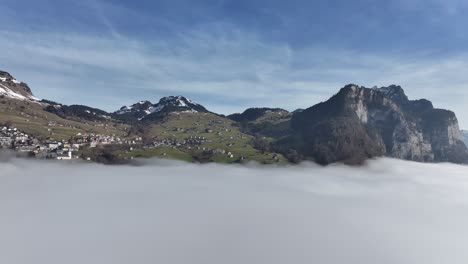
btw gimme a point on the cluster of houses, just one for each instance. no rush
(188, 142)
(12, 138)
(192, 142)
(221, 132)
(94, 140)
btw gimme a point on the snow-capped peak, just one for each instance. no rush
(166, 104)
(140, 106)
(178, 103)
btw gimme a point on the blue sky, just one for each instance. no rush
(230, 55)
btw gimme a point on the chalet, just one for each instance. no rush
(52, 145)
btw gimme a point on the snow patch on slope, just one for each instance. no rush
(4, 90)
(186, 104)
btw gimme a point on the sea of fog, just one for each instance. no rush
(168, 212)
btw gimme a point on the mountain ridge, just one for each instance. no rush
(354, 125)
(378, 122)
(146, 110)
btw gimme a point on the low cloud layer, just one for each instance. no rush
(169, 212)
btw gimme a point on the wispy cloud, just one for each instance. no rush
(231, 66)
(222, 64)
(97, 7)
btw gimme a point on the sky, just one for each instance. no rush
(233, 54)
(387, 212)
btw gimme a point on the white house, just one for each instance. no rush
(65, 156)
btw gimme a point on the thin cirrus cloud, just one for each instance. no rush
(161, 211)
(217, 59)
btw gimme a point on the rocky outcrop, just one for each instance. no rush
(14, 89)
(360, 123)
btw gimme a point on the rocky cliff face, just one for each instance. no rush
(359, 123)
(465, 137)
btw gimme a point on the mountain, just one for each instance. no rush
(14, 89)
(268, 122)
(145, 110)
(75, 111)
(253, 114)
(355, 124)
(298, 110)
(360, 123)
(46, 119)
(465, 136)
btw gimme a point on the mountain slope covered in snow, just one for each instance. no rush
(145, 110)
(12, 88)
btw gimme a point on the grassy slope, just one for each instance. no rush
(274, 117)
(272, 125)
(32, 119)
(162, 152)
(183, 125)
